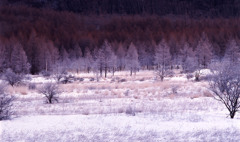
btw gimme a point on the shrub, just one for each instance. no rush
(45, 73)
(189, 76)
(12, 78)
(122, 80)
(130, 111)
(91, 79)
(5, 104)
(32, 86)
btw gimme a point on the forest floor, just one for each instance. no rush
(120, 108)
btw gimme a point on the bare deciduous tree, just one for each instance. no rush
(5, 104)
(50, 92)
(225, 85)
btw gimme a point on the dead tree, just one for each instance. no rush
(225, 84)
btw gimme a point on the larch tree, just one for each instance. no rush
(204, 52)
(19, 62)
(76, 52)
(186, 56)
(162, 59)
(88, 60)
(2, 56)
(232, 52)
(132, 62)
(120, 57)
(105, 58)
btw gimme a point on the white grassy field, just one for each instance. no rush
(174, 110)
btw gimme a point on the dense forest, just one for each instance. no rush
(192, 8)
(45, 36)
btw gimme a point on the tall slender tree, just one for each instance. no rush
(132, 62)
(162, 59)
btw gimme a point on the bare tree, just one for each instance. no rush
(50, 92)
(225, 85)
(5, 104)
(12, 78)
(162, 59)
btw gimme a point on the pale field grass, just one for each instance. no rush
(141, 92)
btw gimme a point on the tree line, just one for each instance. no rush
(33, 40)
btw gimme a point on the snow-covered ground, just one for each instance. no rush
(174, 110)
(121, 127)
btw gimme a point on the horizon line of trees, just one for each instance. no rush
(111, 57)
(45, 37)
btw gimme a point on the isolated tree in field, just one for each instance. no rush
(19, 62)
(50, 92)
(225, 85)
(132, 62)
(232, 52)
(12, 78)
(5, 104)
(203, 52)
(162, 59)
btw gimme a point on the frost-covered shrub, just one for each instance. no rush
(5, 104)
(189, 76)
(68, 79)
(130, 111)
(81, 79)
(32, 86)
(91, 79)
(122, 80)
(50, 92)
(45, 73)
(175, 89)
(142, 79)
(12, 78)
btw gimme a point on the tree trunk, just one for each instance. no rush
(232, 114)
(105, 72)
